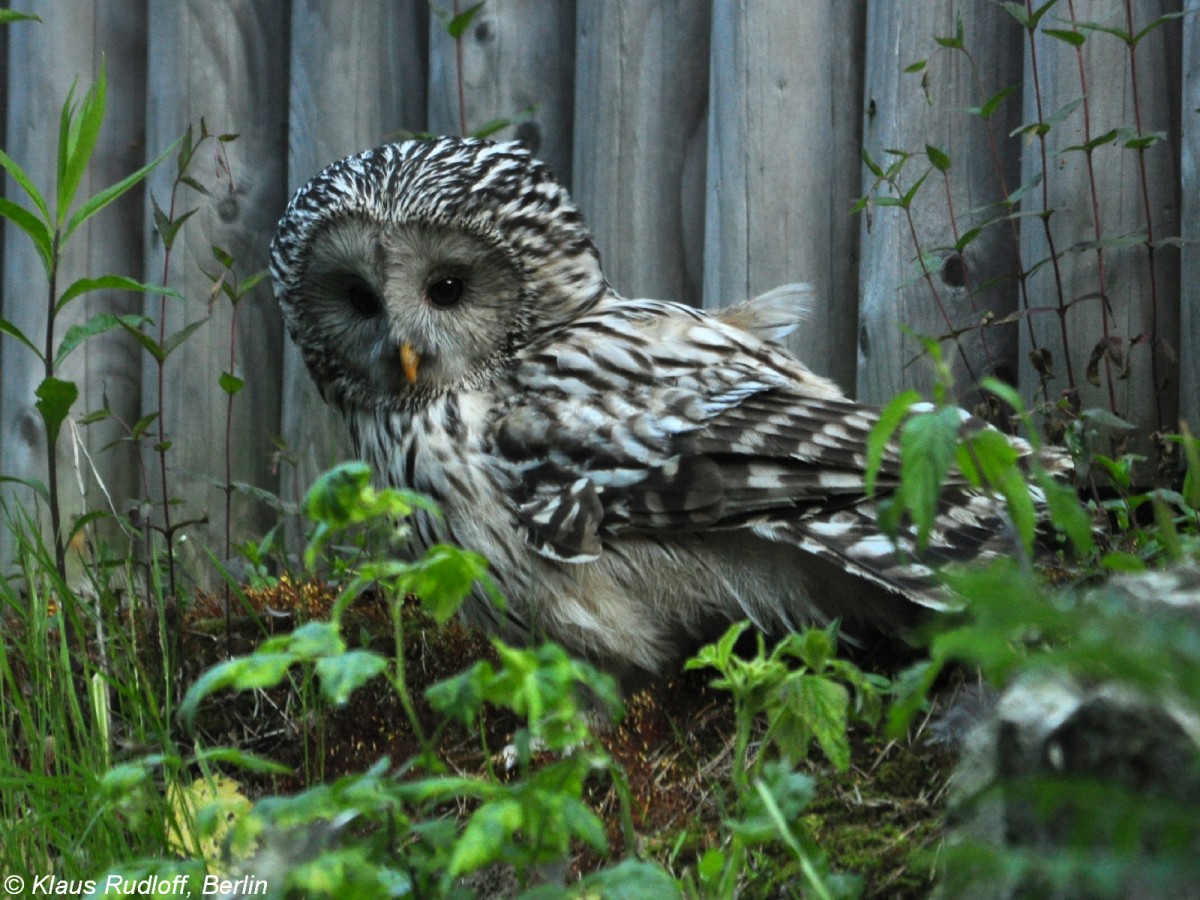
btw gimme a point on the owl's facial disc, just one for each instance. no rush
(453, 302)
(406, 309)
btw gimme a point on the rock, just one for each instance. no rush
(1073, 789)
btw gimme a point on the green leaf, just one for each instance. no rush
(993, 102)
(717, 655)
(7, 327)
(222, 256)
(149, 344)
(32, 483)
(97, 324)
(343, 674)
(43, 241)
(140, 426)
(1067, 513)
(250, 762)
(633, 879)
(1074, 38)
(1161, 20)
(967, 238)
(939, 158)
(194, 185)
(309, 642)
(457, 26)
(1191, 478)
(1123, 36)
(84, 521)
(120, 781)
(167, 228)
(918, 66)
(890, 417)
(231, 384)
(249, 283)
(488, 832)
(1060, 115)
(907, 199)
(8, 16)
(1144, 141)
(876, 170)
(443, 578)
(816, 648)
(173, 341)
(111, 283)
(98, 201)
(927, 447)
(823, 706)
(955, 42)
(83, 131)
(1019, 194)
(711, 865)
(66, 122)
(583, 824)
(1039, 12)
(340, 497)
(27, 185)
(988, 459)
(54, 399)
(262, 670)
(1017, 11)
(1118, 561)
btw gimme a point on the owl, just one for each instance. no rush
(639, 473)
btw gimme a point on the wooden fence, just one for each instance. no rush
(715, 147)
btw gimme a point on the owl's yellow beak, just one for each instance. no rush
(410, 361)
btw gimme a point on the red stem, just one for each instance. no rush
(1045, 217)
(1087, 136)
(1141, 155)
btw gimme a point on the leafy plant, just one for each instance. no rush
(1028, 206)
(50, 226)
(804, 692)
(525, 823)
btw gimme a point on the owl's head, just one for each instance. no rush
(421, 267)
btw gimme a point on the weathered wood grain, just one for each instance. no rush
(516, 54)
(227, 63)
(784, 123)
(713, 144)
(641, 95)
(357, 80)
(1142, 292)
(44, 61)
(906, 112)
(1189, 281)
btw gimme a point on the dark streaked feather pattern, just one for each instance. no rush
(638, 472)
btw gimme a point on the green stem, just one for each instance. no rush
(400, 681)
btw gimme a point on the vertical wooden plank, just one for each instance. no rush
(909, 111)
(1130, 281)
(226, 62)
(641, 95)
(358, 74)
(1189, 281)
(515, 55)
(44, 60)
(786, 89)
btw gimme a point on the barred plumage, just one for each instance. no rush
(638, 472)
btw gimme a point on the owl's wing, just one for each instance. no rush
(664, 421)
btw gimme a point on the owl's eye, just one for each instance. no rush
(445, 292)
(360, 296)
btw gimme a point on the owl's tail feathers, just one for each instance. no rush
(970, 526)
(771, 316)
